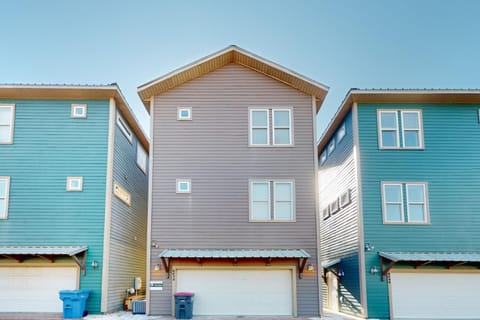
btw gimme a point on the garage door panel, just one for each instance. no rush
(435, 295)
(34, 289)
(238, 292)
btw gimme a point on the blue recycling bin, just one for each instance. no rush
(184, 305)
(74, 302)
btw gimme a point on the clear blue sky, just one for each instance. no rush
(343, 44)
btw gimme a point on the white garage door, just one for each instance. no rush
(34, 289)
(435, 295)
(238, 292)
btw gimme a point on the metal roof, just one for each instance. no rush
(330, 263)
(42, 250)
(432, 256)
(233, 253)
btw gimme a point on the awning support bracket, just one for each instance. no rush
(81, 263)
(301, 266)
(15, 257)
(166, 266)
(386, 269)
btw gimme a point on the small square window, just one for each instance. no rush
(334, 206)
(331, 147)
(74, 183)
(345, 199)
(184, 113)
(341, 133)
(79, 111)
(323, 157)
(141, 158)
(325, 213)
(184, 186)
(124, 127)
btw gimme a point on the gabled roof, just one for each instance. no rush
(231, 54)
(440, 96)
(76, 92)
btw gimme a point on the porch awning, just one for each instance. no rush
(21, 253)
(235, 255)
(418, 259)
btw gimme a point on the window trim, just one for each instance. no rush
(179, 113)
(331, 147)
(420, 128)
(142, 167)
(404, 201)
(380, 129)
(69, 184)
(292, 200)
(251, 127)
(77, 106)
(4, 215)
(290, 137)
(425, 202)
(122, 124)
(12, 121)
(341, 132)
(323, 157)
(271, 201)
(179, 181)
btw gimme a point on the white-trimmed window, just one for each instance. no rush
(184, 186)
(342, 131)
(122, 193)
(326, 213)
(7, 115)
(74, 183)
(413, 209)
(345, 198)
(122, 124)
(331, 147)
(334, 206)
(272, 200)
(280, 122)
(323, 157)
(141, 158)
(410, 127)
(4, 195)
(184, 113)
(79, 111)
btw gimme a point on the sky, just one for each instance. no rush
(340, 43)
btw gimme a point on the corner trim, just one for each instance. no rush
(149, 221)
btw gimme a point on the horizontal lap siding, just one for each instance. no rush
(450, 164)
(128, 229)
(48, 146)
(339, 232)
(212, 150)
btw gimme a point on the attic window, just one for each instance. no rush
(124, 127)
(184, 113)
(79, 111)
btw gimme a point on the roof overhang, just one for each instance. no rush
(234, 254)
(231, 54)
(76, 92)
(418, 259)
(430, 96)
(22, 253)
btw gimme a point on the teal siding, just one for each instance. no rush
(49, 146)
(128, 233)
(339, 233)
(450, 164)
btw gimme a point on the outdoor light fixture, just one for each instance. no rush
(156, 267)
(154, 244)
(374, 270)
(94, 264)
(310, 267)
(340, 272)
(369, 247)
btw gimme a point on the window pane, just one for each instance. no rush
(260, 211)
(2, 207)
(261, 192)
(3, 188)
(283, 192)
(389, 138)
(416, 213)
(411, 139)
(410, 120)
(4, 133)
(259, 136)
(393, 213)
(283, 211)
(79, 111)
(74, 184)
(259, 118)
(392, 193)
(282, 136)
(5, 115)
(282, 118)
(388, 120)
(415, 193)
(185, 113)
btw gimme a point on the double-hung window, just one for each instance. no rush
(410, 209)
(404, 134)
(272, 200)
(4, 191)
(280, 122)
(7, 114)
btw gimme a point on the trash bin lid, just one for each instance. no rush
(184, 294)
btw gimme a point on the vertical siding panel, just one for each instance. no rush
(48, 146)
(212, 150)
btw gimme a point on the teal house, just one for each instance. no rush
(399, 185)
(73, 197)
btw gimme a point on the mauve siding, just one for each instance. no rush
(128, 233)
(212, 150)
